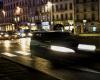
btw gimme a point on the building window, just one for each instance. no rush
(77, 10)
(56, 0)
(70, 6)
(84, 9)
(53, 9)
(85, 1)
(93, 0)
(56, 7)
(71, 16)
(66, 16)
(77, 17)
(57, 17)
(93, 8)
(93, 17)
(61, 7)
(53, 17)
(85, 16)
(66, 6)
(62, 17)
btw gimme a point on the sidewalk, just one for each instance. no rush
(13, 71)
(90, 34)
(10, 70)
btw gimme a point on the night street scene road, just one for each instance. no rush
(49, 39)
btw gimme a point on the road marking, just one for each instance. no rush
(22, 53)
(9, 54)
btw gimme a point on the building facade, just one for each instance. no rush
(16, 12)
(84, 13)
(56, 11)
(63, 11)
(87, 14)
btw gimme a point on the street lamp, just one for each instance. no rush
(17, 13)
(84, 26)
(18, 10)
(4, 14)
(49, 7)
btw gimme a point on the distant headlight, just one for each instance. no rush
(86, 47)
(18, 33)
(23, 34)
(6, 35)
(1, 33)
(29, 34)
(61, 49)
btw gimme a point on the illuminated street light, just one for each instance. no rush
(17, 13)
(49, 4)
(4, 13)
(49, 7)
(18, 10)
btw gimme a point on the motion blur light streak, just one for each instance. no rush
(86, 47)
(62, 49)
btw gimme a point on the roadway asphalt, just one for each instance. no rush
(11, 66)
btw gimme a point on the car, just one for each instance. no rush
(60, 48)
(57, 47)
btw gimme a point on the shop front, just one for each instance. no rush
(7, 27)
(46, 26)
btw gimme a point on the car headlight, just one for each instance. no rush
(29, 34)
(1, 33)
(86, 47)
(6, 35)
(61, 49)
(23, 34)
(18, 33)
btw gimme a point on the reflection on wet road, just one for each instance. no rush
(20, 46)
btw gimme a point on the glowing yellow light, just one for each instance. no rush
(29, 34)
(23, 34)
(6, 35)
(18, 10)
(7, 43)
(4, 13)
(49, 4)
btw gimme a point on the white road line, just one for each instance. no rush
(23, 53)
(9, 54)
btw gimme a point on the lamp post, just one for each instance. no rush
(49, 7)
(4, 14)
(17, 13)
(84, 26)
